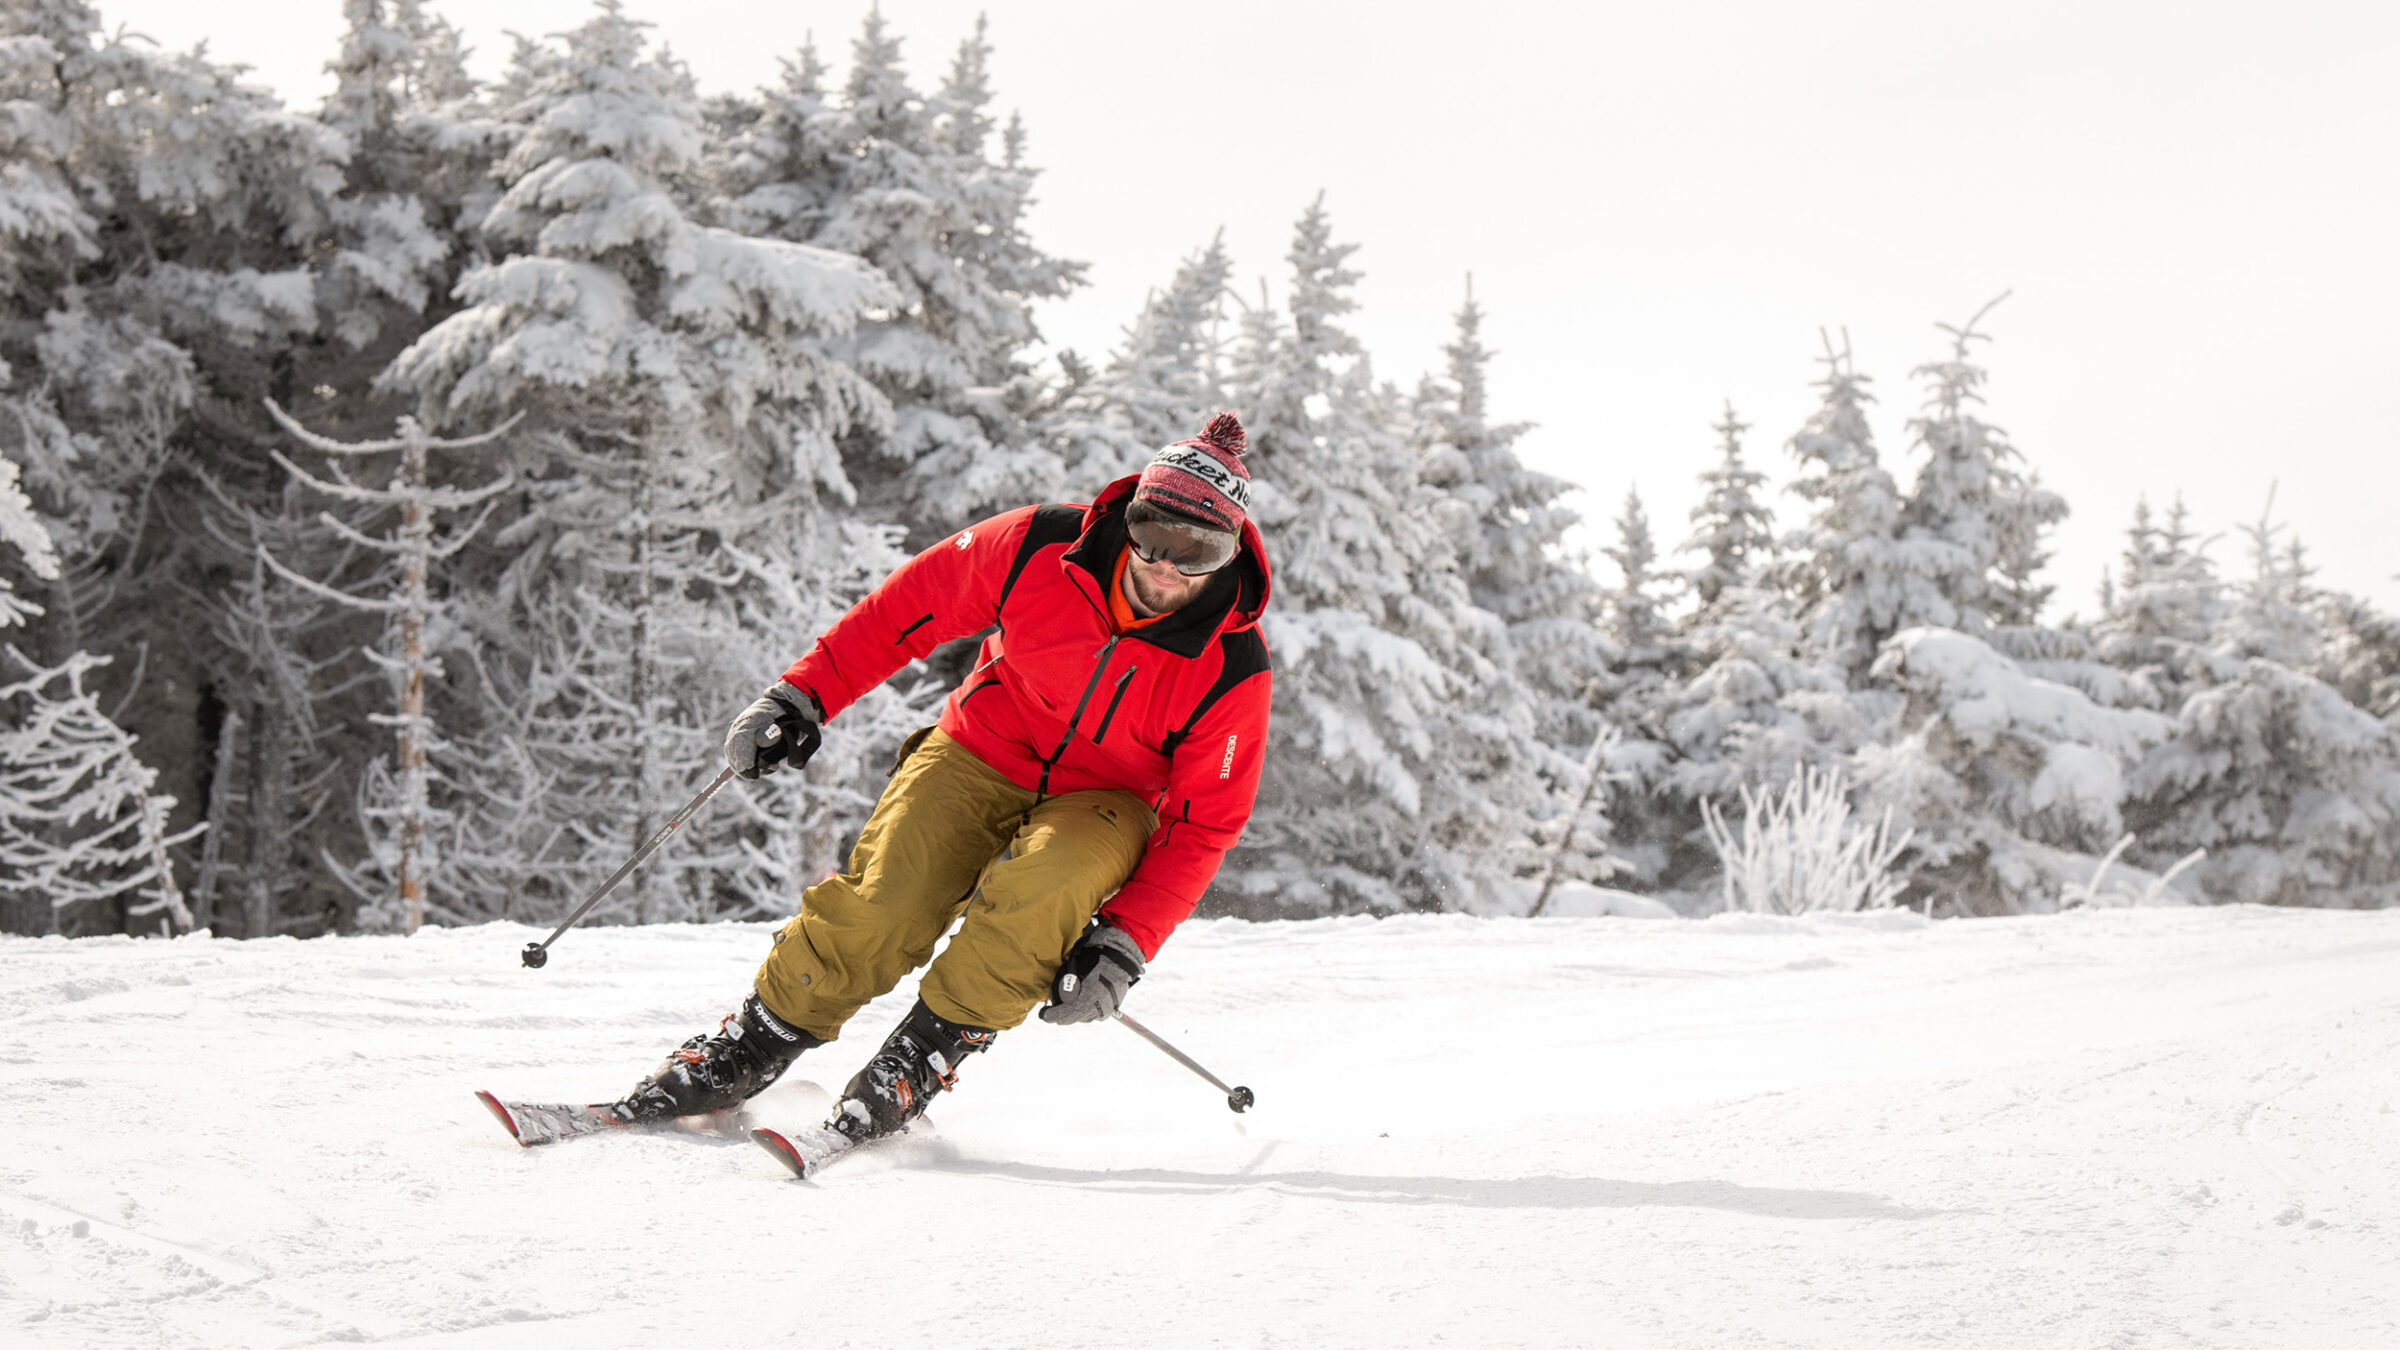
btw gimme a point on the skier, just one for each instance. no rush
(1077, 796)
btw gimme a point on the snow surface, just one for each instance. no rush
(2127, 1128)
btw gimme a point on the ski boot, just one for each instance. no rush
(718, 1072)
(920, 1058)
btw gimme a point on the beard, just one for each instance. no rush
(1158, 602)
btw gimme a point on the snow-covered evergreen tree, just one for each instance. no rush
(686, 421)
(2010, 785)
(389, 260)
(1504, 525)
(43, 219)
(2360, 653)
(287, 665)
(1973, 516)
(140, 351)
(1755, 710)
(1507, 525)
(1647, 659)
(1160, 383)
(1847, 575)
(1390, 780)
(1731, 528)
(2293, 790)
(2160, 614)
(907, 181)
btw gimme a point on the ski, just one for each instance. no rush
(531, 1123)
(805, 1152)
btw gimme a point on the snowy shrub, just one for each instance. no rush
(79, 823)
(1798, 850)
(2134, 887)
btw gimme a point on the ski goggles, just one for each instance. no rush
(1195, 550)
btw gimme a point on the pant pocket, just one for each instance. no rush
(907, 748)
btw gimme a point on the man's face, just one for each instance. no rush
(1158, 588)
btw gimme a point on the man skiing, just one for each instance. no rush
(1077, 796)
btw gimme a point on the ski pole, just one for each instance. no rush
(1239, 1098)
(537, 954)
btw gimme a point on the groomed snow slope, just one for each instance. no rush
(2155, 1128)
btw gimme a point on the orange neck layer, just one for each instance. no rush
(1119, 608)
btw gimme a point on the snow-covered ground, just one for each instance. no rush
(2124, 1129)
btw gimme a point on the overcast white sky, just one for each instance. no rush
(2194, 204)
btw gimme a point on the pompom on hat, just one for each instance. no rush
(1202, 479)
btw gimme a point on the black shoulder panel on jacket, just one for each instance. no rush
(1245, 654)
(1050, 525)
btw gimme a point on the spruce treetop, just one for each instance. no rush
(1730, 525)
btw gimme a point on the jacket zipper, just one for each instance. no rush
(1113, 700)
(1099, 668)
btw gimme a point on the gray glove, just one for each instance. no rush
(779, 729)
(1091, 983)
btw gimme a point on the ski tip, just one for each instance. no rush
(783, 1150)
(500, 1112)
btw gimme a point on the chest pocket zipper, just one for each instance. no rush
(1113, 699)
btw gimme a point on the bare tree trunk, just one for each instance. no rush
(223, 796)
(1591, 785)
(416, 534)
(270, 820)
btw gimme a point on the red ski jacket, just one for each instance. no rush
(1059, 701)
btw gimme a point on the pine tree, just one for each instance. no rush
(1507, 525)
(1504, 524)
(673, 378)
(2162, 610)
(2010, 785)
(1848, 577)
(1160, 383)
(1972, 514)
(2360, 653)
(389, 259)
(1730, 525)
(43, 219)
(906, 182)
(22, 531)
(1380, 794)
(140, 350)
(2292, 790)
(1635, 612)
(1647, 660)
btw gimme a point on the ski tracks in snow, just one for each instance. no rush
(2147, 1130)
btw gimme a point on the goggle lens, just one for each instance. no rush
(1195, 552)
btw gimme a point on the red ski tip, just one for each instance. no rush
(507, 1121)
(783, 1150)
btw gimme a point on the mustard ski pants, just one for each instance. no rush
(950, 835)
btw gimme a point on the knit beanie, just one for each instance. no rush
(1202, 478)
